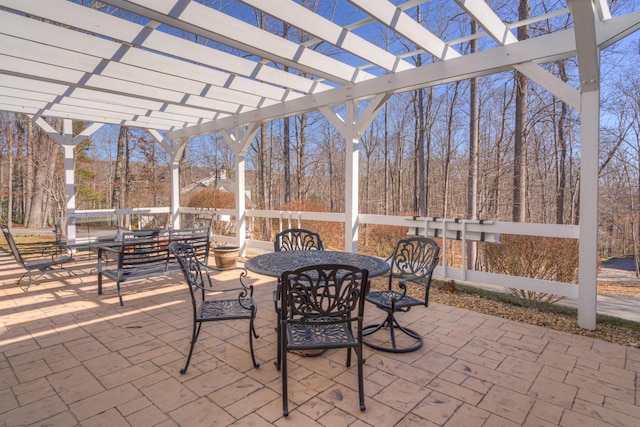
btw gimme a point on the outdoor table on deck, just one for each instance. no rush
(113, 247)
(275, 263)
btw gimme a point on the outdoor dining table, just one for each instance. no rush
(275, 263)
(113, 246)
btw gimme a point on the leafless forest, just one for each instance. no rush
(496, 147)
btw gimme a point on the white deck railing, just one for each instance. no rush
(446, 229)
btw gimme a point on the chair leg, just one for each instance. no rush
(194, 338)
(360, 377)
(120, 294)
(22, 277)
(72, 273)
(285, 396)
(276, 308)
(392, 324)
(253, 334)
(279, 340)
(31, 279)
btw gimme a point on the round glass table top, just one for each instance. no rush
(276, 263)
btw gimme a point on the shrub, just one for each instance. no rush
(545, 258)
(381, 239)
(214, 198)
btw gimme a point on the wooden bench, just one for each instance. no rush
(138, 256)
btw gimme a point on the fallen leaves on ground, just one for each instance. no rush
(534, 316)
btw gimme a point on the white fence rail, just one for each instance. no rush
(445, 228)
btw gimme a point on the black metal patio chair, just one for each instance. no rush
(319, 306)
(212, 303)
(54, 262)
(297, 239)
(292, 239)
(413, 260)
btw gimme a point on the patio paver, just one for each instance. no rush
(70, 357)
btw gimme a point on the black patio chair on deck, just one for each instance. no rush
(212, 303)
(55, 261)
(319, 306)
(413, 260)
(292, 239)
(297, 239)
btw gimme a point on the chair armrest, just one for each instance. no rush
(208, 269)
(62, 254)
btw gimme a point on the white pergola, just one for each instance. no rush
(145, 63)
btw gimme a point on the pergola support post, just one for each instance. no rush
(175, 193)
(69, 188)
(351, 129)
(241, 208)
(175, 149)
(588, 55)
(239, 139)
(588, 243)
(68, 143)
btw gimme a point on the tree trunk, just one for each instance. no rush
(474, 129)
(117, 197)
(449, 151)
(286, 153)
(562, 154)
(385, 185)
(301, 139)
(519, 143)
(420, 149)
(418, 145)
(10, 181)
(44, 152)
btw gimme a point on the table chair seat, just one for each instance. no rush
(321, 333)
(387, 299)
(226, 309)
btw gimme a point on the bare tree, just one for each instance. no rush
(474, 130)
(118, 198)
(519, 142)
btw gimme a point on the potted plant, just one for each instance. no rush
(226, 256)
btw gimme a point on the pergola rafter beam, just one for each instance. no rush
(394, 18)
(500, 32)
(299, 16)
(35, 40)
(544, 48)
(198, 19)
(244, 75)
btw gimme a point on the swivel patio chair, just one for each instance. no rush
(55, 262)
(413, 260)
(212, 303)
(293, 239)
(319, 306)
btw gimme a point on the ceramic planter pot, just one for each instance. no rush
(226, 256)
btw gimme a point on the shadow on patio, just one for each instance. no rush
(71, 357)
